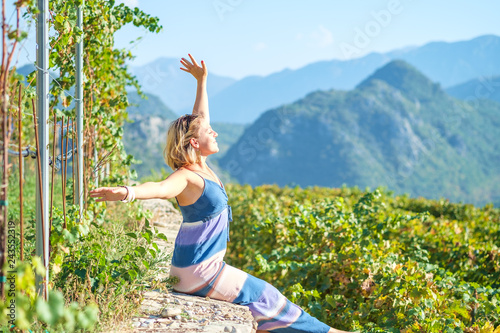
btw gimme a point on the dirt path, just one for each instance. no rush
(175, 312)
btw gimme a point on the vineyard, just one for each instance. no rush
(370, 261)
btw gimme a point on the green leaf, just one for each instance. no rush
(43, 311)
(162, 237)
(132, 235)
(56, 305)
(140, 250)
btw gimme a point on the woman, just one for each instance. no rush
(201, 242)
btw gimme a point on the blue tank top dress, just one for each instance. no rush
(198, 262)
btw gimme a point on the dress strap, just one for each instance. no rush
(198, 175)
(220, 182)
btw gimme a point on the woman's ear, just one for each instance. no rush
(194, 143)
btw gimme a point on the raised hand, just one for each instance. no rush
(109, 193)
(192, 67)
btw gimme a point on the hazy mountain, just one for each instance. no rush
(176, 88)
(484, 87)
(397, 129)
(152, 105)
(445, 63)
(25, 69)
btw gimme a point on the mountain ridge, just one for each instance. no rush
(373, 135)
(443, 62)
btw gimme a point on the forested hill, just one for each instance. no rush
(396, 129)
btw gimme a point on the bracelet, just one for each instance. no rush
(126, 196)
(130, 197)
(132, 194)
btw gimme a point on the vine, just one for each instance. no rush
(105, 101)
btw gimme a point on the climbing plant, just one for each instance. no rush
(105, 102)
(105, 71)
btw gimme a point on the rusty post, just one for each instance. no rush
(20, 139)
(39, 163)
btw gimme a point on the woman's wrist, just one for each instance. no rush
(127, 193)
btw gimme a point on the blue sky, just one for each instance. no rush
(257, 37)
(238, 38)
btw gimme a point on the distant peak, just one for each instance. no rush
(404, 77)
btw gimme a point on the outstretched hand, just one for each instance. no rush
(199, 72)
(108, 193)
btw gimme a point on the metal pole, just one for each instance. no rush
(42, 89)
(96, 161)
(21, 171)
(79, 108)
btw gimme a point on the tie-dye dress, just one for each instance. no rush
(198, 262)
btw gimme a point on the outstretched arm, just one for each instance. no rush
(200, 74)
(166, 189)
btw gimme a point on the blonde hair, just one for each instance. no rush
(179, 152)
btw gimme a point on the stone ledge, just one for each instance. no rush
(191, 314)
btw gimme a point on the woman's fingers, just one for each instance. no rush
(193, 68)
(186, 63)
(193, 60)
(101, 192)
(98, 192)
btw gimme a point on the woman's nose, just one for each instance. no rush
(215, 134)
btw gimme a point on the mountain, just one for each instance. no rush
(483, 87)
(445, 63)
(176, 88)
(25, 69)
(397, 129)
(151, 106)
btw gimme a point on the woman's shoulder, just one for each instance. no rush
(189, 175)
(180, 172)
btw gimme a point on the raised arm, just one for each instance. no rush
(166, 189)
(200, 74)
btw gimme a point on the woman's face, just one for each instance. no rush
(206, 140)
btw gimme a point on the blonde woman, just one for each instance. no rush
(198, 258)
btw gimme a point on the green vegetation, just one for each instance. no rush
(370, 261)
(99, 265)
